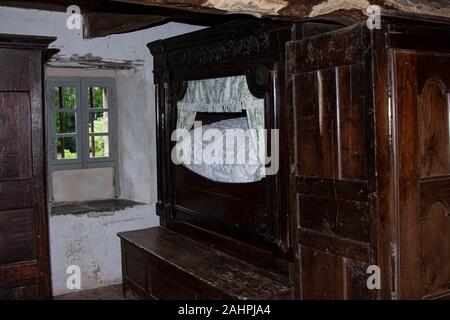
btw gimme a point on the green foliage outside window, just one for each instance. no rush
(98, 98)
(65, 98)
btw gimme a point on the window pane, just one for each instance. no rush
(98, 98)
(64, 97)
(66, 148)
(98, 122)
(65, 122)
(98, 146)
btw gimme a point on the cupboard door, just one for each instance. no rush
(24, 267)
(422, 99)
(329, 88)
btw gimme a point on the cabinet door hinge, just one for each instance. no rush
(390, 123)
(394, 271)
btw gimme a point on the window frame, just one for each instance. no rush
(82, 112)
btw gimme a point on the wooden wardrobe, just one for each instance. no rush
(370, 159)
(364, 152)
(24, 256)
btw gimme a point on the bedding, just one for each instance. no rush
(229, 157)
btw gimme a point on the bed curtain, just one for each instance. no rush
(230, 94)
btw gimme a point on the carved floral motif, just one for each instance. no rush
(231, 49)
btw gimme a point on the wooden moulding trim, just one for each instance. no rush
(14, 272)
(19, 41)
(339, 246)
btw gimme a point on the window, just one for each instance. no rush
(81, 123)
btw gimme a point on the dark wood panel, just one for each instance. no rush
(436, 249)
(228, 211)
(437, 188)
(330, 115)
(350, 122)
(322, 275)
(15, 136)
(434, 151)
(331, 83)
(338, 246)
(21, 190)
(40, 173)
(240, 206)
(243, 246)
(422, 105)
(406, 102)
(337, 48)
(17, 234)
(315, 105)
(164, 287)
(382, 165)
(336, 218)
(328, 276)
(253, 192)
(16, 68)
(434, 129)
(420, 41)
(20, 293)
(135, 266)
(356, 281)
(23, 199)
(17, 272)
(432, 70)
(339, 189)
(190, 263)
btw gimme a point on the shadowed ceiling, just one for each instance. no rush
(105, 17)
(301, 8)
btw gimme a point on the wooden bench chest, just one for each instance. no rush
(160, 264)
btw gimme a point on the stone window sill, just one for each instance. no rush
(98, 206)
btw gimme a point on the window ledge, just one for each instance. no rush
(78, 208)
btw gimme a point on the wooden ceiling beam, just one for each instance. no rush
(294, 9)
(104, 17)
(302, 9)
(99, 24)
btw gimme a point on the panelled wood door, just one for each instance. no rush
(330, 163)
(24, 265)
(422, 100)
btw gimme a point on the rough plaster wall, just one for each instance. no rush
(93, 245)
(344, 11)
(83, 185)
(422, 7)
(91, 241)
(333, 5)
(256, 7)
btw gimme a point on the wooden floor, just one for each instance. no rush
(105, 293)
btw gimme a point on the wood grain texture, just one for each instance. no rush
(15, 136)
(24, 262)
(193, 265)
(329, 76)
(349, 12)
(423, 104)
(18, 236)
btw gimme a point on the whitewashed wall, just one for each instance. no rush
(90, 240)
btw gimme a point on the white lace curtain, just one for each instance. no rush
(230, 94)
